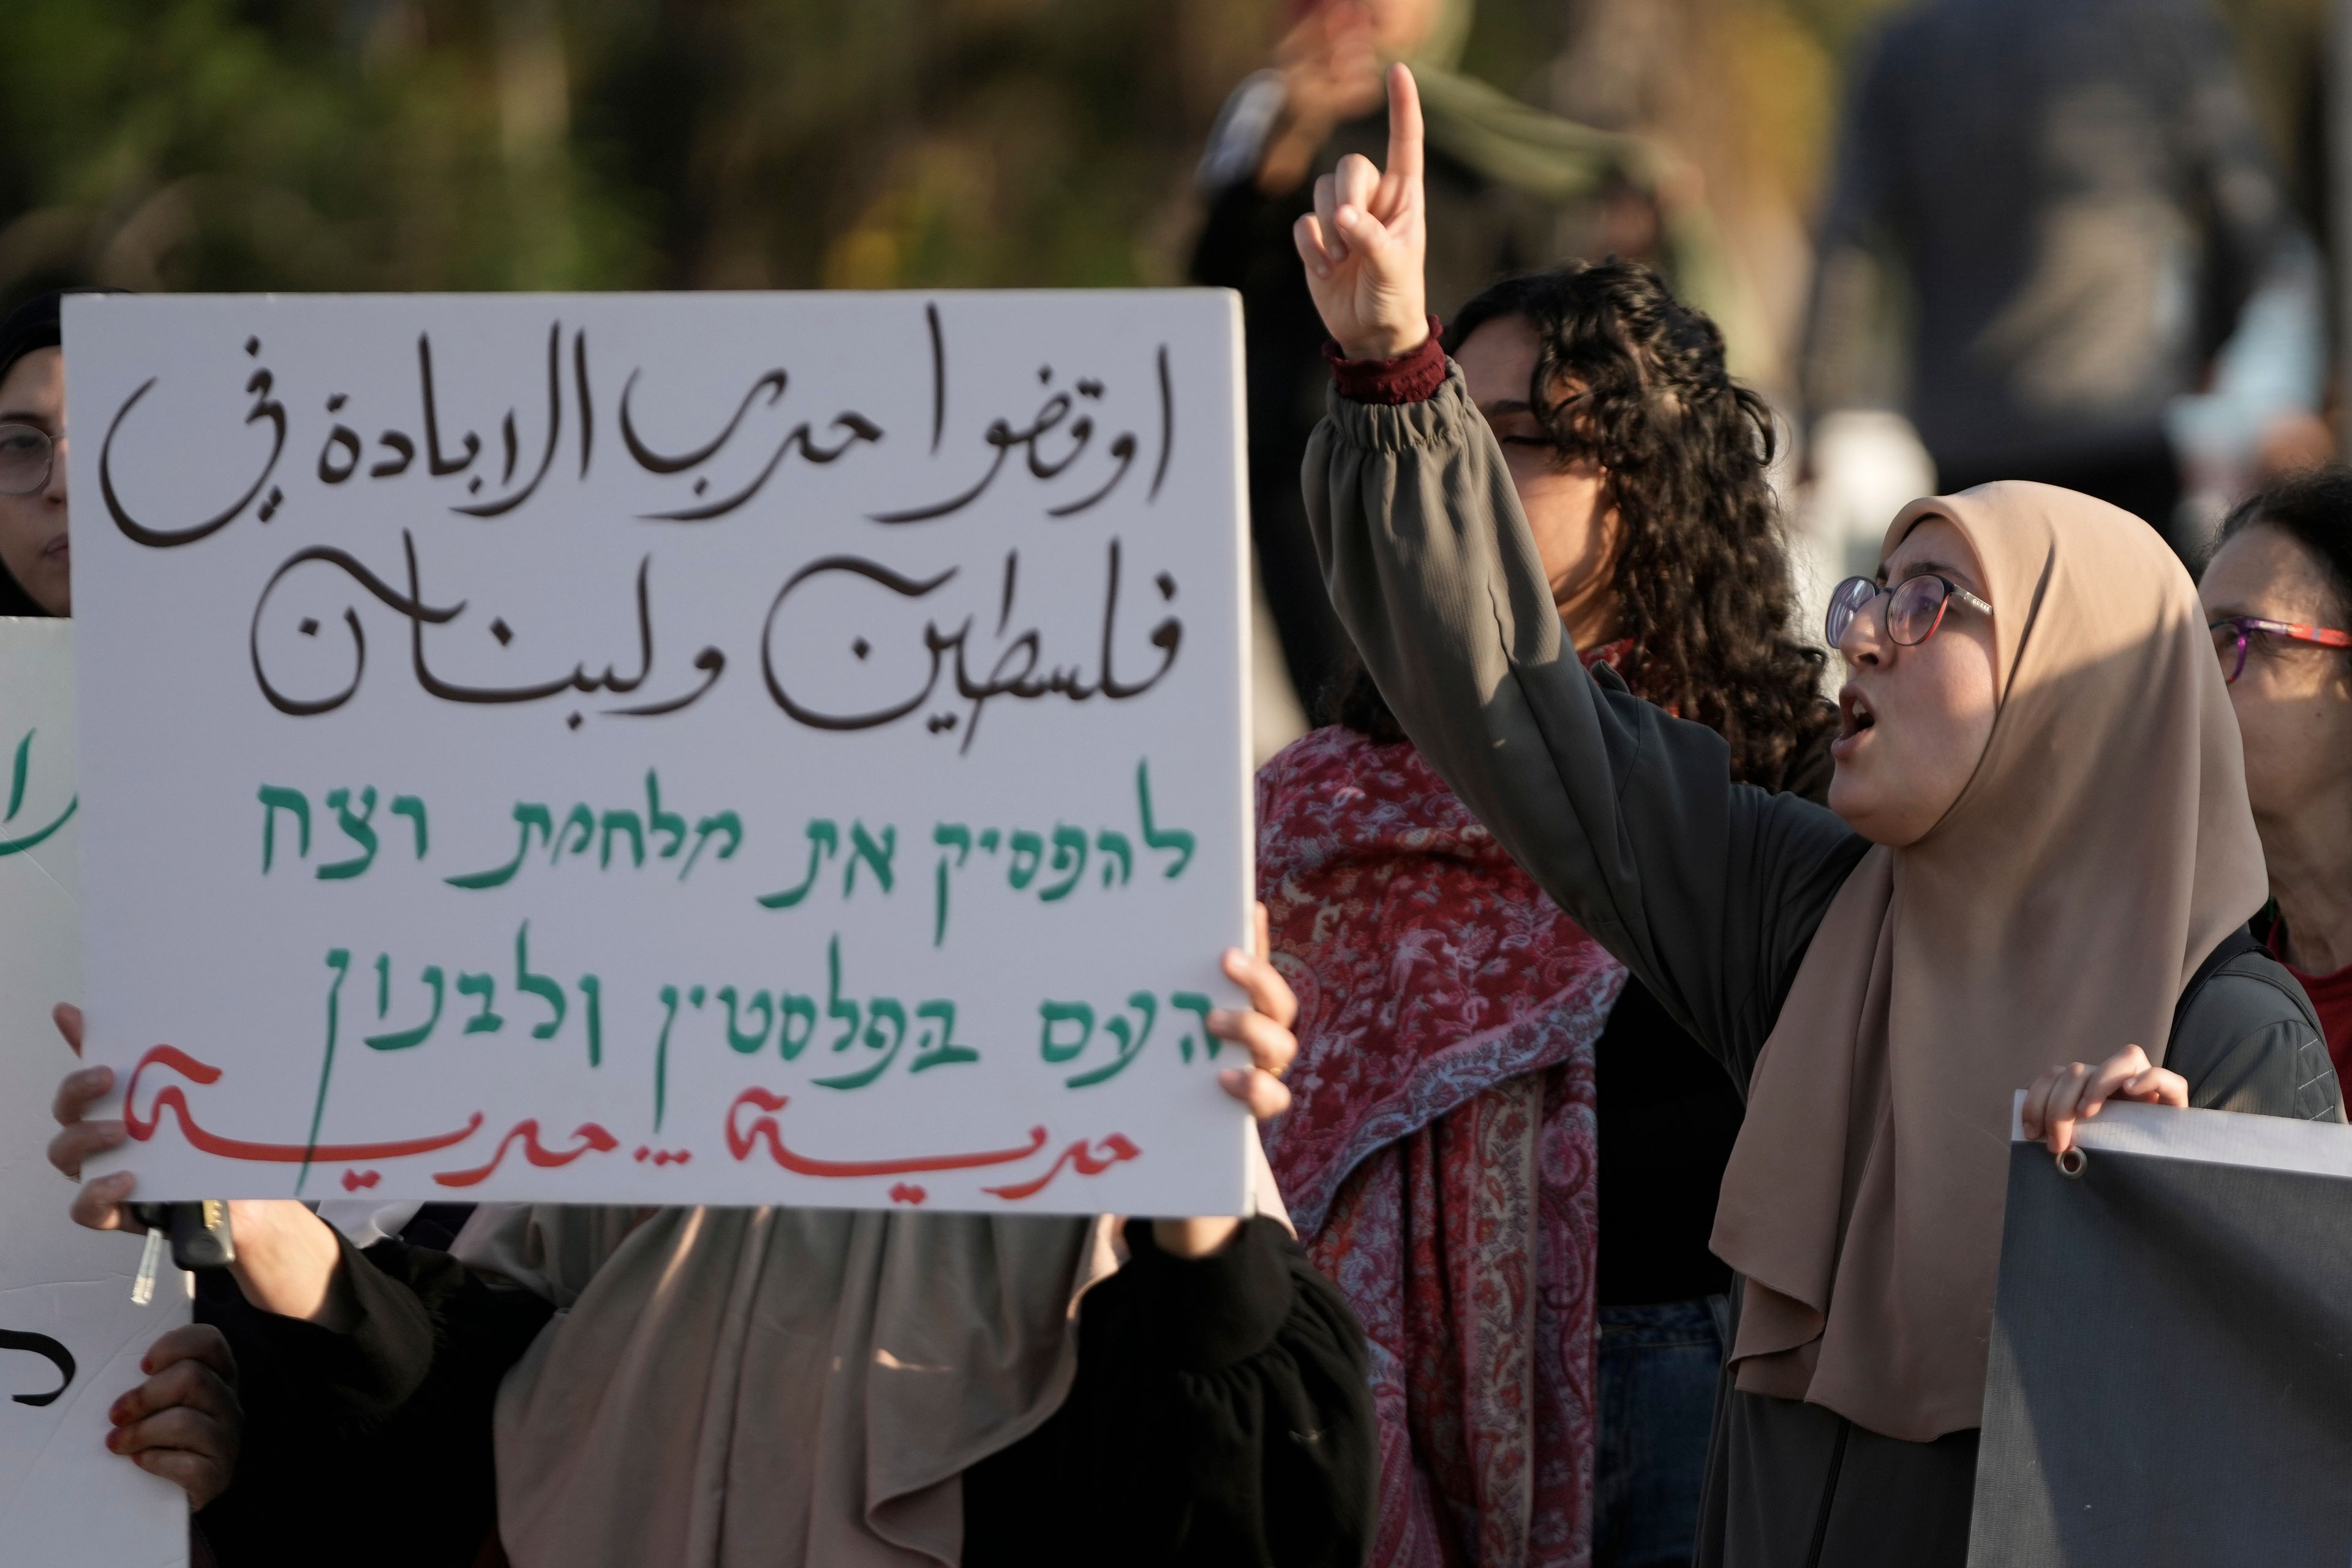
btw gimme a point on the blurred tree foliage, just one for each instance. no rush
(323, 144)
(603, 143)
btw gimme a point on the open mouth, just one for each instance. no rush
(1854, 716)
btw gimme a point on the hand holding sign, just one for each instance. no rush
(102, 1204)
(1264, 1030)
(184, 1423)
(287, 1256)
(2065, 1095)
(1365, 243)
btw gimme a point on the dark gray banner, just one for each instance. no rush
(2171, 1368)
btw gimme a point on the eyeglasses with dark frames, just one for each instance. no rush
(2232, 633)
(25, 454)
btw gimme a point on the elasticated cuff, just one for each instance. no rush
(1437, 422)
(1413, 376)
(1202, 1314)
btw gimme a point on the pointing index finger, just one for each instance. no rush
(1404, 123)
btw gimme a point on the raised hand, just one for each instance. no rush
(1366, 242)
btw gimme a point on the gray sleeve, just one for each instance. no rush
(2248, 1043)
(1628, 818)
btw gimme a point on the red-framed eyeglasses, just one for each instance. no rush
(1915, 606)
(2231, 633)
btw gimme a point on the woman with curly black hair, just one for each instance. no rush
(1443, 1158)
(1627, 391)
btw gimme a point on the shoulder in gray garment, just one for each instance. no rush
(2250, 1041)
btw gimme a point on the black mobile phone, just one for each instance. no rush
(200, 1234)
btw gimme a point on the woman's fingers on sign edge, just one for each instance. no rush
(77, 1091)
(76, 1143)
(184, 1384)
(2047, 1112)
(1268, 991)
(1264, 1093)
(192, 1342)
(1271, 1047)
(2072, 1092)
(98, 1205)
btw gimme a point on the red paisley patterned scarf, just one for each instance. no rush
(1439, 1155)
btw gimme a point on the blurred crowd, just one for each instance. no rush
(2118, 218)
(2107, 222)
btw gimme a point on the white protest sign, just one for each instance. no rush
(70, 1338)
(666, 749)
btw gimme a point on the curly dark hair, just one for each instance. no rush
(1702, 579)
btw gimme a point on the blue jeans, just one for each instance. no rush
(1658, 1369)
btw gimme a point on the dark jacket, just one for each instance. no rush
(1222, 1415)
(1672, 1115)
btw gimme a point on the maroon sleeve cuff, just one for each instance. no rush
(1411, 377)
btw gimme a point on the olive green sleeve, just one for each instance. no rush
(1627, 816)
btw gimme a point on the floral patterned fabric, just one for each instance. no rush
(1438, 1154)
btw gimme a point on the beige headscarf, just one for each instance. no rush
(726, 1388)
(2101, 849)
(778, 1387)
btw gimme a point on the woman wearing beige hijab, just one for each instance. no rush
(2038, 847)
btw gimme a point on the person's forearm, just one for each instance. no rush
(288, 1262)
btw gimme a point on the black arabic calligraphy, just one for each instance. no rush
(1016, 670)
(343, 452)
(1037, 443)
(420, 614)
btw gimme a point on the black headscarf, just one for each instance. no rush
(34, 324)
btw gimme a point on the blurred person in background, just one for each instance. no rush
(1441, 1157)
(2072, 205)
(36, 561)
(2279, 594)
(1511, 182)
